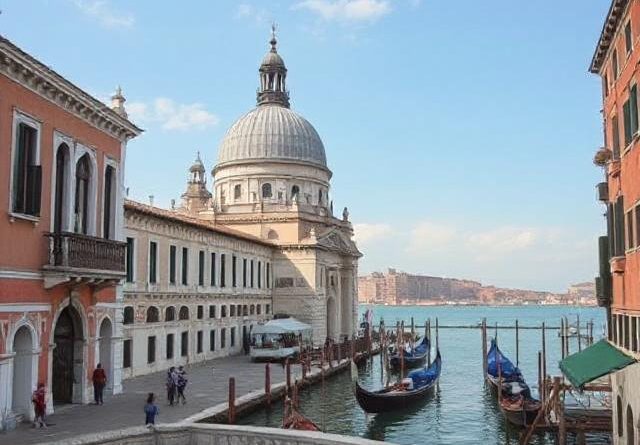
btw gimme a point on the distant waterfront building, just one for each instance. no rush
(616, 60)
(193, 289)
(395, 288)
(61, 235)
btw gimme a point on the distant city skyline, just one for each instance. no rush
(459, 135)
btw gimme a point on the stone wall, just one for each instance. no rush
(191, 434)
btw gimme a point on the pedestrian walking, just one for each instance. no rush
(246, 344)
(172, 383)
(99, 382)
(39, 400)
(181, 384)
(150, 410)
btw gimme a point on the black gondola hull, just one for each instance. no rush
(409, 362)
(387, 400)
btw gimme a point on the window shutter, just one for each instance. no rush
(626, 111)
(615, 137)
(633, 99)
(619, 227)
(34, 189)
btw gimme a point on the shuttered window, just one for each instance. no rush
(626, 113)
(619, 227)
(615, 137)
(628, 39)
(633, 104)
(185, 266)
(172, 264)
(201, 268)
(153, 262)
(223, 272)
(27, 174)
(629, 234)
(614, 64)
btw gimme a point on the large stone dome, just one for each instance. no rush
(271, 132)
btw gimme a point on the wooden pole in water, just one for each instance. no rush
(323, 390)
(517, 345)
(401, 350)
(437, 336)
(544, 363)
(232, 401)
(267, 384)
(483, 336)
(566, 343)
(288, 373)
(540, 389)
(426, 335)
(562, 338)
(562, 430)
(578, 332)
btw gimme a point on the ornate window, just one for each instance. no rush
(83, 176)
(295, 191)
(128, 315)
(170, 314)
(26, 185)
(266, 190)
(62, 157)
(237, 192)
(153, 315)
(108, 212)
(184, 313)
(630, 427)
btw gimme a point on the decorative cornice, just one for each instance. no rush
(611, 23)
(24, 69)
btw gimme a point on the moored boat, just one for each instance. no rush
(410, 391)
(413, 358)
(515, 399)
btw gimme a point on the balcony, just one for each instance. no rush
(75, 258)
(603, 191)
(617, 264)
(613, 167)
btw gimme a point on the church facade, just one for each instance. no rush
(262, 242)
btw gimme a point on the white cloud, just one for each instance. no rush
(172, 116)
(101, 10)
(250, 12)
(365, 232)
(430, 235)
(502, 239)
(347, 10)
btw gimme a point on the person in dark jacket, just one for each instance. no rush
(99, 382)
(181, 384)
(150, 410)
(172, 384)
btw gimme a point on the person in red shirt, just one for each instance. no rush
(39, 400)
(99, 382)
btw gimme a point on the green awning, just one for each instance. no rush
(597, 360)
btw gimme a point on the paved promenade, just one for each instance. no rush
(208, 386)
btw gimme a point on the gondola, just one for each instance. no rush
(515, 400)
(401, 395)
(415, 358)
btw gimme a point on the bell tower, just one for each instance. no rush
(196, 198)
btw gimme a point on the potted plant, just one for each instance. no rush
(601, 157)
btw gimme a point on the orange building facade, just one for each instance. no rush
(616, 60)
(62, 155)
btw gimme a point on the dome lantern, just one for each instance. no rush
(273, 75)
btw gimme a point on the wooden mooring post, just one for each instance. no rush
(427, 334)
(287, 366)
(483, 335)
(232, 401)
(544, 364)
(517, 345)
(437, 335)
(267, 384)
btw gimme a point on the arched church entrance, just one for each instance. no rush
(331, 318)
(67, 357)
(105, 349)
(22, 371)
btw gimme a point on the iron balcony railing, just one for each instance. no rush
(75, 250)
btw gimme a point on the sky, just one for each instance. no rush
(460, 134)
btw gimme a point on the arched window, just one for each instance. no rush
(245, 310)
(620, 416)
(237, 192)
(127, 315)
(108, 212)
(630, 428)
(295, 191)
(184, 313)
(258, 309)
(170, 314)
(153, 314)
(266, 190)
(223, 311)
(320, 197)
(252, 309)
(62, 156)
(83, 176)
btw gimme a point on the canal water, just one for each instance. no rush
(461, 411)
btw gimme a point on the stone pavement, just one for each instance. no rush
(208, 386)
